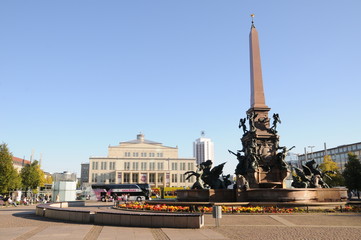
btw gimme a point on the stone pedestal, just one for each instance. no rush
(293, 195)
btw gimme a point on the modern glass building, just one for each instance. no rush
(338, 154)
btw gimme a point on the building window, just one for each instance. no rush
(135, 165)
(182, 166)
(190, 166)
(174, 166)
(182, 178)
(160, 166)
(135, 177)
(160, 177)
(174, 178)
(152, 166)
(143, 154)
(112, 177)
(143, 166)
(152, 177)
(127, 154)
(135, 154)
(151, 155)
(126, 165)
(159, 154)
(126, 178)
(112, 166)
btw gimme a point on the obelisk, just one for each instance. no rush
(257, 92)
(258, 107)
(260, 142)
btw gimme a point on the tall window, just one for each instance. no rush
(174, 166)
(152, 177)
(182, 178)
(160, 166)
(94, 177)
(135, 166)
(160, 177)
(190, 166)
(174, 178)
(182, 166)
(143, 166)
(135, 154)
(112, 177)
(151, 165)
(151, 155)
(126, 178)
(143, 154)
(159, 154)
(126, 165)
(135, 177)
(112, 166)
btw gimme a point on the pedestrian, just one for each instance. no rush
(25, 201)
(11, 202)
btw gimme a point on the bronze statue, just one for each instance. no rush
(242, 165)
(196, 184)
(242, 124)
(276, 119)
(281, 156)
(209, 176)
(251, 118)
(310, 177)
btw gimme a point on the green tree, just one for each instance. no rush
(9, 178)
(48, 179)
(352, 173)
(32, 176)
(336, 178)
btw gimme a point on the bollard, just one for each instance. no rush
(217, 214)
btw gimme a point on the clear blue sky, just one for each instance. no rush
(77, 76)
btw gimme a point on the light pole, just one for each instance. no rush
(311, 151)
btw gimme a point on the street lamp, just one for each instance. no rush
(311, 151)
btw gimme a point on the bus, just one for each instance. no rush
(171, 192)
(136, 192)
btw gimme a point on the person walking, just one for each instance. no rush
(11, 202)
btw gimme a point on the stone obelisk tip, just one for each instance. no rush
(257, 92)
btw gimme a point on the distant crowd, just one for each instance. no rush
(7, 200)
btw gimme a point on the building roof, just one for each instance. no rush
(20, 161)
(140, 139)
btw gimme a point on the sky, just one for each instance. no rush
(78, 76)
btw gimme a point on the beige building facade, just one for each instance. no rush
(142, 161)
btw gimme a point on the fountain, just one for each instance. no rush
(262, 169)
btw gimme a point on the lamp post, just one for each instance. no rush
(311, 151)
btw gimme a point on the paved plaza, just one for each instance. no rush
(22, 223)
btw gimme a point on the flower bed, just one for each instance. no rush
(226, 209)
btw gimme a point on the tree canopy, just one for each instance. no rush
(333, 171)
(352, 173)
(32, 176)
(9, 177)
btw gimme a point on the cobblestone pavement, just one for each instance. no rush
(22, 223)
